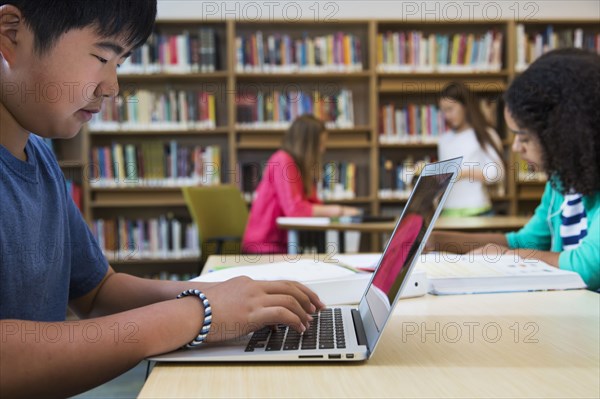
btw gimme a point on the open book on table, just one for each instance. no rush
(468, 274)
(335, 283)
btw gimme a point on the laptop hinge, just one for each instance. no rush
(358, 327)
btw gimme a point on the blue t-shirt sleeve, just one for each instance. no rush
(88, 264)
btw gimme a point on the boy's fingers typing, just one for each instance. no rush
(283, 303)
(242, 305)
(305, 297)
(314, 298)
(273, 315)
(288, 302)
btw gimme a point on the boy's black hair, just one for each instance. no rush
(558, 99)
(49, 19)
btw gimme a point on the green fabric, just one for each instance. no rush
(542, 232)
(464, 212)
(221, 216)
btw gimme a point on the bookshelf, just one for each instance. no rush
(413, 64)
(239, 96)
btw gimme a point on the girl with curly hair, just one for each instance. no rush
(553, 110)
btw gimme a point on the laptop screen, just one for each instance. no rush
(403, 247)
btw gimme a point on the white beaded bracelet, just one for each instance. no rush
(207, 316)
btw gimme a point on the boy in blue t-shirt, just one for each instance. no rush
(58, 60)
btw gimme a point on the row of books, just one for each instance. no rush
(157, 110)
(163, 237)
(396, 178)
(277, 109)
(195, 51)
(531, 46)
(338, 52)
(411, 123)
(414, 51)
(155, 163)
(338, 181)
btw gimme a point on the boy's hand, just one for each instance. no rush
(242, 305)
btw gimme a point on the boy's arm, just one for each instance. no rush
(63, 358)
(118, 292)
(241, 300)
(36, 358)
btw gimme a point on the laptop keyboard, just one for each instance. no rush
(326, 332)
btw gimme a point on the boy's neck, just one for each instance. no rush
(12, 135)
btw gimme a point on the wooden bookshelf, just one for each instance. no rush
(371, 88)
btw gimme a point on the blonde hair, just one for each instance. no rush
(303, 141)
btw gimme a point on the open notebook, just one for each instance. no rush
(467, 274)
(470, 274)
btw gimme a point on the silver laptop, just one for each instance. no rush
(346, 333)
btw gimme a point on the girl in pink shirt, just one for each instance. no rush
(288, 187)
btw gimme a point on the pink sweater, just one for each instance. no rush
(280, 193)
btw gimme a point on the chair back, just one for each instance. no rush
(221, 214)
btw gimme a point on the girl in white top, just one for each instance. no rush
(471, 137)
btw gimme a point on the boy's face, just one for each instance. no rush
(54, 94)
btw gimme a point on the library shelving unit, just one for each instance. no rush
(413, 63)
(207, 102)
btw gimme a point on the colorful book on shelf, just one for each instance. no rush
(396, 178)
(188, 52)
(163, 237)
(155, 162)
(157, 110)
(281, 53)
(277, 109)
(531, 45)
(471, 274)
(414, 51)
(339, 181)
(412, 123)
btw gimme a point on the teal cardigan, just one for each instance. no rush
(542, 232)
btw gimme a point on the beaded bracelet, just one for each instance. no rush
(207, 316)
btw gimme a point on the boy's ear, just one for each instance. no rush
(11, 23)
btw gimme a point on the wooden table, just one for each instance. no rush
(535, 344)
(471, 224)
